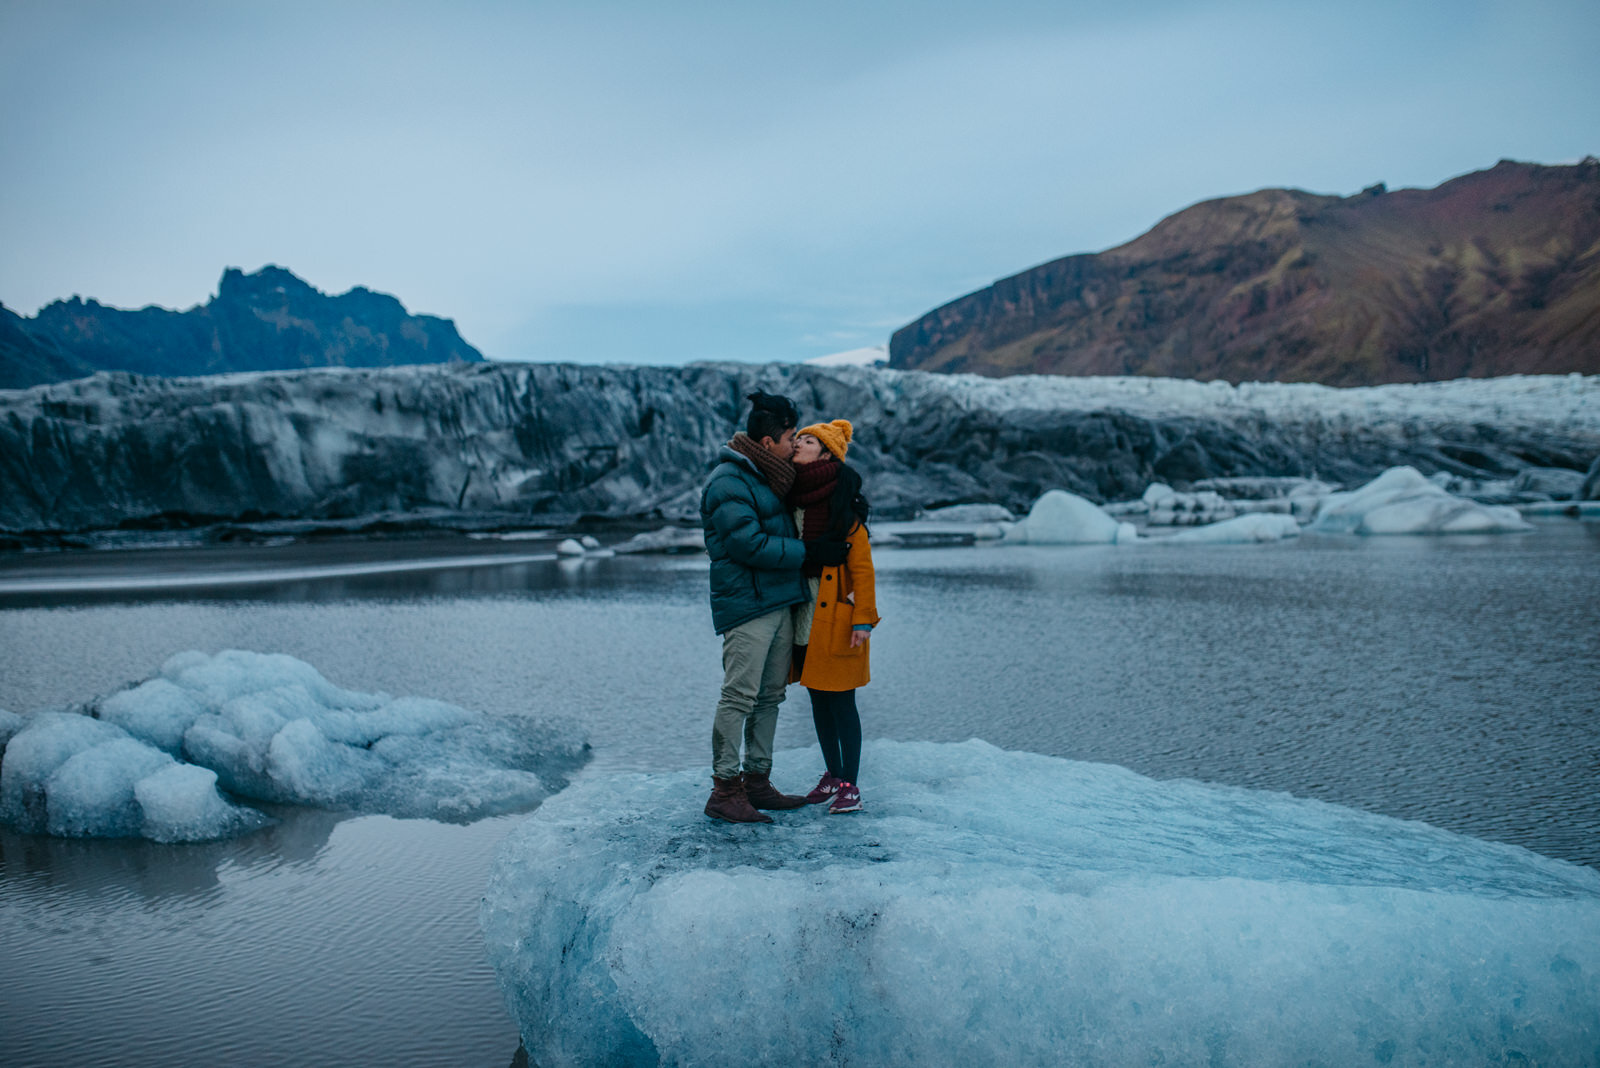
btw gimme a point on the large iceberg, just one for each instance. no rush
(1002, 908)
(149, 760)
(1062, 518)
(1401, 501)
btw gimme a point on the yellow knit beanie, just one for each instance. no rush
(835, 436)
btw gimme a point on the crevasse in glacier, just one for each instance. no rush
(1001, 908)
(148, 761)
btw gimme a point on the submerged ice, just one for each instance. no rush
(1000, 908)
(168, 758)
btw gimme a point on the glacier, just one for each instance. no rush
(497, 446)
(1003, 908)
(170, 758)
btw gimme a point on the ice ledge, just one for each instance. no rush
(1005, 908)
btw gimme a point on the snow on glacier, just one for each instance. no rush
(1402, 501)
(1003, 908)
(149, 760)
(1062, 518)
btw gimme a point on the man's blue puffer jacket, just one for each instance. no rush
(750, 537)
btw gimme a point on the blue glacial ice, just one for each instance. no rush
(1401, 501)
(1000, 908)
(169, 758)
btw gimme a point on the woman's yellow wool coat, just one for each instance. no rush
(848, 596)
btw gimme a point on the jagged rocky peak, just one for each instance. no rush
(264, 321)
(1493, 273)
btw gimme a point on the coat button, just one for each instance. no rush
(822, 604)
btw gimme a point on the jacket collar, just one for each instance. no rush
(730, 455)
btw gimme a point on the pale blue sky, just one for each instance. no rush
(663, 182)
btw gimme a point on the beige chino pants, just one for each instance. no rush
(755, 671)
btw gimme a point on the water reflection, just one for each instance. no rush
(160, 873)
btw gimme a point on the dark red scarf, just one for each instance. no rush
(813, 490)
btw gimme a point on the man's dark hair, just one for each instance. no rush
(770, 416)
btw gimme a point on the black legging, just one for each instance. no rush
(839, 731)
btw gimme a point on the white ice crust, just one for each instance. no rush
(1062, 518)
(997, 908)
(148, 761)
(1402, 501)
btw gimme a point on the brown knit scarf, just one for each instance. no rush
(779, 472)
(814, 484)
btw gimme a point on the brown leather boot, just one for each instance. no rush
(728, 802)
(762, 794)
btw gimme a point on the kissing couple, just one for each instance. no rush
(792, 596)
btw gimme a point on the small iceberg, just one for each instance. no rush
(1248, 529)
(1062, 518)
(1402, 501)
(668, 539)
(169, 758)
(1002, 908)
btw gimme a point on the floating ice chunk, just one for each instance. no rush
(1174, 509)
(32, 754)
(156, 711)
(270, 728)
(570, 547)
(993, 908)
(589, 542)
(1244, 529)
(665, 540)
(1062, 518)
(1401, 501)
(1157, 492)
(968, 513)
(235, 673)
(180, 803)
(91, 793)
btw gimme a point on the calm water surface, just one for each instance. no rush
(1448, 680)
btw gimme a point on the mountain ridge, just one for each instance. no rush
(270, 320)
(1492, 273)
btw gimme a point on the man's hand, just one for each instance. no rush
(828, 552)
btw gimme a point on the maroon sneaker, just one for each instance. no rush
(848, 799)
(826, 787)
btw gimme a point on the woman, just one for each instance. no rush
(833, 630)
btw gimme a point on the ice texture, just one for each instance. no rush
(1402, 501)
(10, 723)
(149, 760)
(1002, 908)
(494, 444)
(1062, 518)
(1241, 530)
(668, 539)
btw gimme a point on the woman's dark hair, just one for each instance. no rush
(770, 416)
(847, 506)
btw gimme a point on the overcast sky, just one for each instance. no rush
(664, 182)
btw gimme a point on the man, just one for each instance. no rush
(756, 556)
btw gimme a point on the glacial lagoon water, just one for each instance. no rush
(1451, 680)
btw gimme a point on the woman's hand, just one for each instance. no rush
(858, 638)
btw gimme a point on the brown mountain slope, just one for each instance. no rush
(1496, 272)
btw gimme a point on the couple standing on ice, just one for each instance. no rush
(792, 596)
